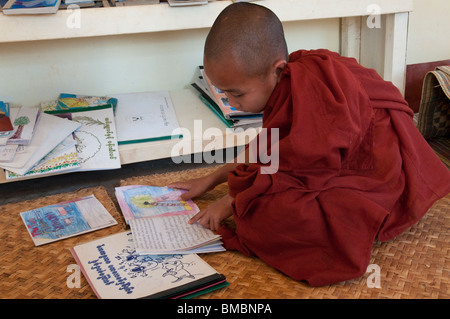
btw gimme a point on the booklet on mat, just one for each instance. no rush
(66, 219)
(114, 270)
(159, 221)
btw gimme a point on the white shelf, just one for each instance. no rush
(383, 48)
(91, 22)
(189, 109)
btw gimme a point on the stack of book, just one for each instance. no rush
(60, 138)
(217, 101)
(37, 146)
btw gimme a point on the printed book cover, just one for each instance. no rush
(114, 271)
(63, 220)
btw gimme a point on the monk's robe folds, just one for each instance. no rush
(352, 168)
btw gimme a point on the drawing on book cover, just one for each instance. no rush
(171, 266)
(54, 222)
(139, 201)
(88, 145)
(96, 140)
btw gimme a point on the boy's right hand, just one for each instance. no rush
(195, 187)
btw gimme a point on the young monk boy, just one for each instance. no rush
(352, 167)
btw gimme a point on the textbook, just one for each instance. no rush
(159, 221)
(66, 219)
(114, 270)
(144, 117)
(31, 6)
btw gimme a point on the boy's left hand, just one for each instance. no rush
(214, 214)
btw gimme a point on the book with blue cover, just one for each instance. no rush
(63, 220)
(31, 6)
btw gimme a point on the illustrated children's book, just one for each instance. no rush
(159, 221)
(137, 201)
(114, 271)
(63, 220)
(96, 138)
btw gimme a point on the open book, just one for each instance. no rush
(159, 221)
(114, 270)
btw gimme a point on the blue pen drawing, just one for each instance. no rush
(135, 265)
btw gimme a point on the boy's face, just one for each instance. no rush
(245, 93)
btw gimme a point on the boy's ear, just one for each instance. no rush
(278, 67)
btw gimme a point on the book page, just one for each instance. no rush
(169, 233)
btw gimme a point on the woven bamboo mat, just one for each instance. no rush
(414, 265)
(27, 271)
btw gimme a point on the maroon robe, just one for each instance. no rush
(352, 168)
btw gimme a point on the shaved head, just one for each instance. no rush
(250, 35)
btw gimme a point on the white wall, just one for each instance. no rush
(31, 72)
(429, 27)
